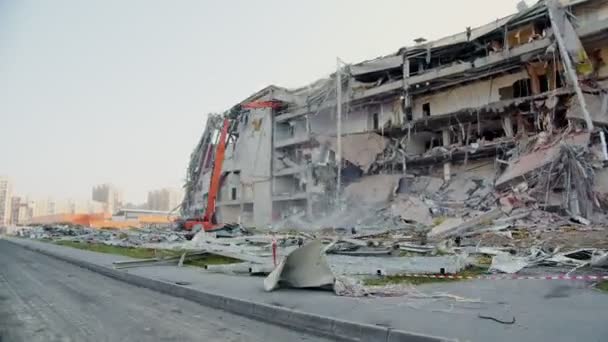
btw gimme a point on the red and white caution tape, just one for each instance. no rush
(510, 277)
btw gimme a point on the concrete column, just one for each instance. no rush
(507, 126)
(309, 185)
(447, 166)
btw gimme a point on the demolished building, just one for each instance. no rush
(509, 102)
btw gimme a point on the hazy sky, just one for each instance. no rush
(117, 90)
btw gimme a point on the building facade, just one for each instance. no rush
(429, 109)
(165, 199)
(109, 195)
(5, 201)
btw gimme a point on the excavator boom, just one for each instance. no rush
(208, 220)
(216, 177)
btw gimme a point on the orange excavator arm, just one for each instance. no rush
(216, 177)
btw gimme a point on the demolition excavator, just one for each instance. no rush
(209, 221)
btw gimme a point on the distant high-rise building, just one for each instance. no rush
(16, 202)
(86, 207)
(21, 210)
(5, 201)
(43, 207)
(109, 195)
(164, 199)
(48, 207)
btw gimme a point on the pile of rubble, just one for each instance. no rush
(114, 237)
(541, 208)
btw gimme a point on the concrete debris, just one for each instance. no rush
(349, 287)
(305, 267)
(447, 148)
(538, 158)
(575, 258)
(506, 263)
(495, 228)
(412, 209)
(448, 225)
(581, 220)
(372, 189)
(420, 185)
(397, 265)
(411, 292)
(596, 104)
(422, 249)
(480, 221)
(600, 260)
(112, 237)
(359, 149)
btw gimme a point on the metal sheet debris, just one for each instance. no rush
(305, 267)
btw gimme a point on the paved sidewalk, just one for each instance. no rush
(546, 310)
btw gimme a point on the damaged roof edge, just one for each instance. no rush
(394, 60)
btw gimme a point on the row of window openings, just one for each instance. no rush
(426, 111)
(520, 88)
(301, 187)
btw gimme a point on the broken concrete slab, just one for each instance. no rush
(411, 209)
(494, 228)
(579, 257)
(305, 267)
(599, 260)
(450, 228)
(424, 185)
(596, 104)
(359, 149)
(372, 189)
(345, 265)
(349, 287)
(506, 263)
(534, 160)
(447, 225)
(600, 184)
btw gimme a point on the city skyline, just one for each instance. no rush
(143, 203)
(106, 199)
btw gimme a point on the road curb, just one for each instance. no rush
(293, 319)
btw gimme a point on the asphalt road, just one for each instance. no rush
(44, 299)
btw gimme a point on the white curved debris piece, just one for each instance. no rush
(305, 267)
(506, 263)
(600, 260)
